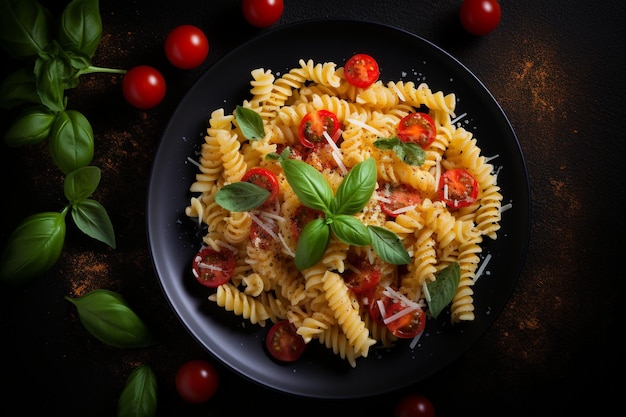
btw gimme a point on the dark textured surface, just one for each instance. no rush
(555, 67)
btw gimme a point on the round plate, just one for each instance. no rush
(174, 238)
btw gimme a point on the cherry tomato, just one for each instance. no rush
(264, 178)
(260, 237)
(408, 325)
(213, 268)
(283, 343)
(301, 217)
(262, 13)
(399, 196)
(362, 276)
(186, 46)
(197, 381)
(361, 70)
(143, 87)
(418, 128)
(414, 405)
(458, 188)
(480, 17)
(313, 126)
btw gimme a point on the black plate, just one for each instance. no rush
(174, 238)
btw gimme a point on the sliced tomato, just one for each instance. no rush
(370, 297)
(396, 197)
(418, 128)
(362, 275)
(405, 326)
(260, 237)
(361, 70)
(265, 178)
(301, 217)
(283, 342)
(458, 188)
(213, 268)
(313, 126)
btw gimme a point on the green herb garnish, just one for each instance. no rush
(408, 152)
(241, 196)
(443, 289)
(250, 123)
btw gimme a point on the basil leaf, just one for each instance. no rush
(33, 247)
(356, 189)
(71, 141)
(312, 243)
(388, 246)
(408, 152)
(18, 88)
(26, 28)
(81, 183)
(241, 196)
(51, 74)
(81, 26)
(31, 127)
(308, 184)
(139, 395)
(350, 230)
(250, 123)
(443, 289)
(109, 319)
(92, 219)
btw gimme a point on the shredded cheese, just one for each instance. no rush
(364, 126)
(404, 209)
(505, 207)
(482, 267)
(336, 153)
(264, 226)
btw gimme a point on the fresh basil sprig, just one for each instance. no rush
(353, 194)
(107, 316)
(408, 152)
(55, 53)
(443, 289)
(241, 196)
(139, 395)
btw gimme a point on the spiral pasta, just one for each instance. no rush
(266, 286)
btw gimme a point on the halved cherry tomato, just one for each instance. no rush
(362, 276)
(361, 70)
(399, 196)
(458, 188)
(301, 217)
(371, 297)
(418, 128)
(213, 268)
(186, 46)
(265, 178)
(197, 381)
(408, 325)
(260, 237)
(313, 126)
(284, 343)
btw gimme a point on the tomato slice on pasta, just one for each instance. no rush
(361, 275)
(213, 268)
(283, 342)
(396, 197)
(265, 178)
(458, 188)
(361, 70)
(418, 128)
(313, 126)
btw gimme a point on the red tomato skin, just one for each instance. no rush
(480, 17)
(283, 343)
(407, 326)
(361, 70)
(265, 178)
(414, 405)
(143, 87)
(462, 188)
(186, 47)
(314, 124)
(224, 259)
(400, 195)
(262, 13)
(419, 128)
(197, 381)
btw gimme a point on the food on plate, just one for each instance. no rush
(358, 248)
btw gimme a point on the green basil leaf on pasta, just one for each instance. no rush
(250, 123)
(350, 230)
(241, 196)
(139, 395)
(356, 189)
(309, 184)
(443, 288)
(109, 319)
(408, 152)
(388, 246)
(312, 243)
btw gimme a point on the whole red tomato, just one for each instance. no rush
(262, 13)
(143, 86)
(480, 17)
(186, 46)
(197, 381)
(414, 405)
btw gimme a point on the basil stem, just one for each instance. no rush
(109, 319)
(139, 395)
(443, 289)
